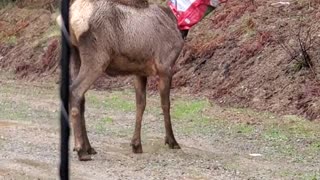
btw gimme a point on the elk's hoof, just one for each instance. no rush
(172, 143)
(92, 151)
(84, 156)
(136, 148)
(174, 146)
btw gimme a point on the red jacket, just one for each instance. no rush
(190, 12)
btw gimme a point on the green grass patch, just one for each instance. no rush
(118, 101)
(107, 120)
(197, 119)
(300, 175)
(300, 128)
(23, 102)
(189, 110)
(289, 128)
(94, 100)
(29, 91)
(289, 150)
(203, 126)
(101, 126)
(315, 146)
(309, 176)
(22, 111)
(10, 40)
(12, 110)
(192, 115)
(275, 134)
(243, 128)
(292, 137)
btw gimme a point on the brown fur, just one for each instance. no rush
(123, 40)
(133, 3)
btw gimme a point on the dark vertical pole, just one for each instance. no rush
(64, 93)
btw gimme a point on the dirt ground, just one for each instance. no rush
(217, 143)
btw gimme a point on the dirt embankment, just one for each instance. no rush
(29, 44)
(235, 56)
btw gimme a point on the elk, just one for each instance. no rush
(121, 37)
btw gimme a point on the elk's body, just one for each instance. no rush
(118, 39)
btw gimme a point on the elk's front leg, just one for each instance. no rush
(79, 135)
(140, 87)
(87, 144)
(92, 66)
(75, 68)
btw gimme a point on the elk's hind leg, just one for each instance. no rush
(140, 88)
(164, 63)
(164, 86)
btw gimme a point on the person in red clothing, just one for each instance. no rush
(190, 12)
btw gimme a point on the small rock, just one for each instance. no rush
(281, 3)
(255, 155)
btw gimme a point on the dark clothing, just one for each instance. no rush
(184, 33)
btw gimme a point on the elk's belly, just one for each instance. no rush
(123, 66)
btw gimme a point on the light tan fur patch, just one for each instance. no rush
(59, 21)
(80, 13)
